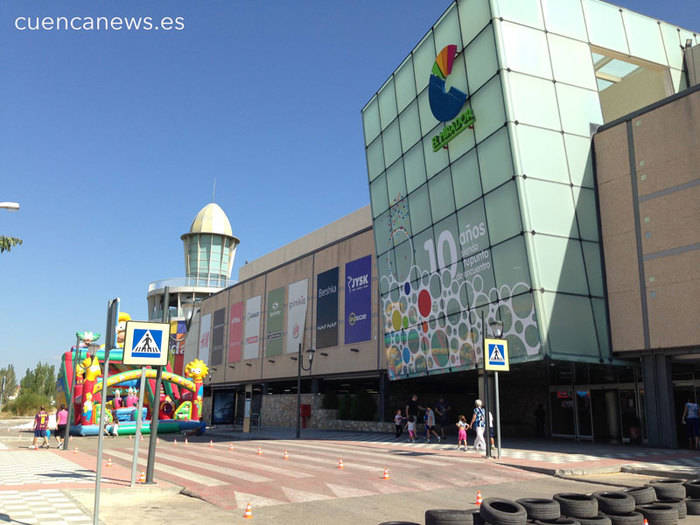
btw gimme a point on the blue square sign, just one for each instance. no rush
(146, 343)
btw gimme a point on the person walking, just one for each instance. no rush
(430, 425)
(411, 425)
(398, 423)
(412, 407)
(41, 425)
(441, 410)
(61, 421)
(691, 420)
(462, 427)
(478, 422)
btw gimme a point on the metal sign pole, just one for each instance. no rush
(112, 316)
(155, 405)
(487, 402)
(137, 434)
(498, 419)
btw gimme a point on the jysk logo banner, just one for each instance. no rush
(358, 300)
(235, 332)
(275, 322)
(327, 308)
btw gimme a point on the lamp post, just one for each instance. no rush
(300, 367)
(497, 330)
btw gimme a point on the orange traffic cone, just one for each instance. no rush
(248, 512)
(75, 450)
(285, 456)
(646, 521)
(186, 442)
(174, 441)
(479, 499)
(230, 447)
(260, 453)
(142, 477)
(109, 462)
(211, 442)
(340, 463)
(386, 474)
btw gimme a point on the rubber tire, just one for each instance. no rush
(452, 517)
(630, 518)
(498, 511)
(540, 508)
(399, 523)
(659, 514)
(692, 488)
(577, 505)
(600, 519)
(559, 521)
(668, 488)
(642, 495)
(692, 506)
(678, 504)
(615, 502)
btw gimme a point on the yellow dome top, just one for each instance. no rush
(211, 219)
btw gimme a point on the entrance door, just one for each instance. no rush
(571, 412)
(584, 423)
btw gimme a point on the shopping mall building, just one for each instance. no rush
(531, 162)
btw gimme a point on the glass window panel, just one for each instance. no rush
(476, 257)
(447, 29)
(559, 264)
(571, 62)
(458, 146)
(419, 207)
(601, 320)
(424, 252)
(441, 196)
(414, 166)
(550, 208)
(370, 121)
(400, 222)
(525, 12)
(427, 120)
(525, 50)
(458, 77)
(579, 109)
(403, 260)
(580, 157)
(474, 15)
(391, 138)
(410, 126)
(541, 153)
(385, 267)
(511, 267)
(591, 255)
(396, 184)
(382, 232)
(465, 179)
(644, 37)
(447, 244)
(533, 101)
(488, 109)
(378, 195)
(423, 59)
(503, 213)
(678, 80)
(387, 103)
(604, 25)
(481, 58)
(570, 329)
(672, 45)
(375, 159)
(434, 160)
(495, 160)
(565, 17)
(586, 213)
(405, 84)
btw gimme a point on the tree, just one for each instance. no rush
(6, 243)
(10, 383)
(41, 380)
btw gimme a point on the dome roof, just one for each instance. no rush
(211, 219)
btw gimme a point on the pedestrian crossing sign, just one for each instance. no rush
(146, 343)
(496, 355)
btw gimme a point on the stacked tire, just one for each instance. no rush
(499, 511)
(453, 517)
(619, 507)
(692, 489)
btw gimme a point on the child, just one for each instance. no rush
(412, 429)
(115, 425)
(398, 422)
(462, 436)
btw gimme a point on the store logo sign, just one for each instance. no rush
(446, 105)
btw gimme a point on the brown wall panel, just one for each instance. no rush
(611, 154)
(667, 221)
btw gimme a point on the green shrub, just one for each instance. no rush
(29, 403)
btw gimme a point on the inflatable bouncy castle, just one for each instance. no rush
(179, 404)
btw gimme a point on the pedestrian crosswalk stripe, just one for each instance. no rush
(173, 471)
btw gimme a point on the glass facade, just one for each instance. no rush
(208, 257)
(497, 219)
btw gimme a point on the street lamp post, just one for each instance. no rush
(300, 367)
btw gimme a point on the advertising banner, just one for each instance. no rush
(327, 308)
(251, 346)
(235, 332)
(205, 338)
(296, 316)
(275, 322)
(358, 300)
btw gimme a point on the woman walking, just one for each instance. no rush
(478, 423)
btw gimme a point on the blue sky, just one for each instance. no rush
(111, 141)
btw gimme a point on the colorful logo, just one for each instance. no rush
(445, 105)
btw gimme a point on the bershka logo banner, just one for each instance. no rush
(358, 300)
(327, 308)
(251, 344)
(296, 315)
(235, 332)
(275, 322)
(204, 338)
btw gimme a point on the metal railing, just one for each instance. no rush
(184, 282)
